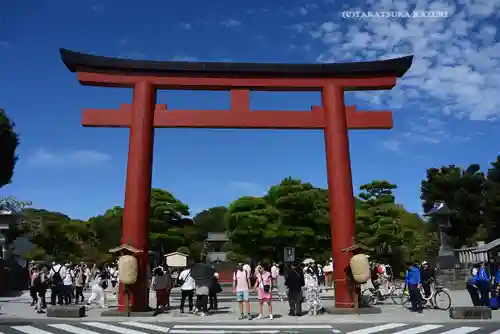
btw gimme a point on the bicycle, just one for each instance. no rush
(437, 293)
(371, 296)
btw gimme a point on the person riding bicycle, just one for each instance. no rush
(427, 275)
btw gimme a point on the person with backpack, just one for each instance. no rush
(241, 287)
(56, 285)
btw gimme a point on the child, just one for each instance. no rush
(264, 286)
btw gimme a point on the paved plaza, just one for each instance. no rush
(18, 317)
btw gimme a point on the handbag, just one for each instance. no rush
(266, 287)
(181, 281)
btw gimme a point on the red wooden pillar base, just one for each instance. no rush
(340, 190)
(138, 191)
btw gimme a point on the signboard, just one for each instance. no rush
(289, 254)
(176, 260)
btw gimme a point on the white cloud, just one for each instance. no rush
(5, 44)
(248, 188)
(456, 70)
(74, 158)
(231, 23)
(393, 145)
(186, 26)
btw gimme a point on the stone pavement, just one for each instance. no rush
(17, 307)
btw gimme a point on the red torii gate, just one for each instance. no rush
(146, 77)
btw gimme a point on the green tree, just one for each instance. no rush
(168, 222)
(303, 217)
(107, 230)
(492, 202)
(462, 190)
(49, 232)
(211, 220)
(9, 140)
(377, 223)
(252, 222)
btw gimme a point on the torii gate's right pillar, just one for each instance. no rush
(340, 190)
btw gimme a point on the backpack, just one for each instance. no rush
(56, 278)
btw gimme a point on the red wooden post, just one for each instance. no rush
(340, 192)
(138, 190)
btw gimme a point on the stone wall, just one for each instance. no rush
(453, 279)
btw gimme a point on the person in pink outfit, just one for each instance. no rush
(264, 286)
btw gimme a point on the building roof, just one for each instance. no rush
(81, 62)
(488, 247)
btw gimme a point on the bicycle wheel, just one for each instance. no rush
(397, 296)
(442, 300)
(405, 299)
(367, 297)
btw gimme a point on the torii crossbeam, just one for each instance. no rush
(143, 115)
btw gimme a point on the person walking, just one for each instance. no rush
(159, 285)
(215, 288)
(313, 299)
(281, 282)
(483, 284)
(472, 287)
(295, 281)
(264, 286)
(188, 285)
(241, 287)
(98, 285)
(56, 284)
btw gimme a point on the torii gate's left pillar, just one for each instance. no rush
(138, 190)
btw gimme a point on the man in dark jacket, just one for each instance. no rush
(427, 274)
(295, 281)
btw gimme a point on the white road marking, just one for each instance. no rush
(336, 331)
(252, 327)
(496, 332)
(376, 329)
(111, 328)
(72, 329)
(419, 329)
(462, 330)
(144, 325)
(210, 331)
(30, 330)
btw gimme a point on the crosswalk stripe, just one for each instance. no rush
(146, 326)
(251, 327)
(376, 329)
(462, 330)
(496, 332)
(419, 329)
(72, 329)
(111, 328)
(210, 331)
(30, 330)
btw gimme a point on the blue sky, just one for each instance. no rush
(445, 109)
